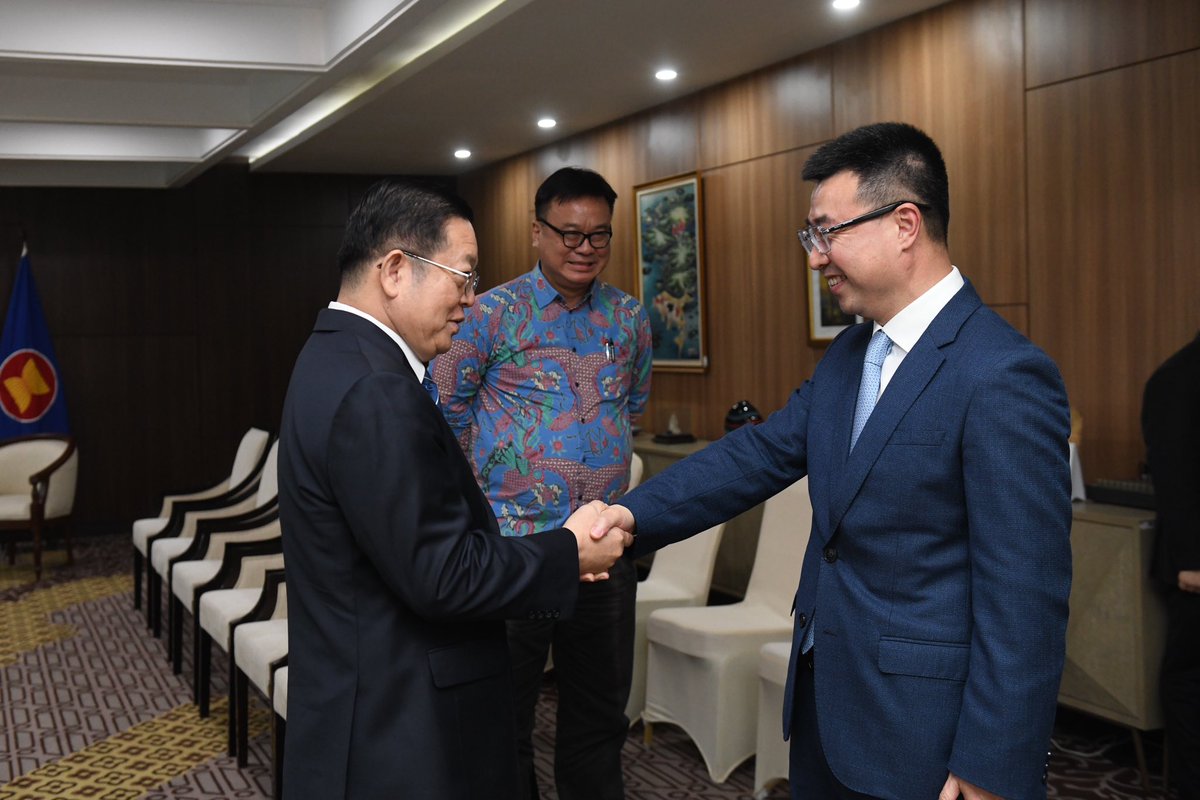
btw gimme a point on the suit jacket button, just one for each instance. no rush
(830, 554)
(803, 620)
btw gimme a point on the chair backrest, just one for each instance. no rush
(782, 540)
(268, 482)
(688, 564)
(249, 452)
(636, 468)
(21, 458)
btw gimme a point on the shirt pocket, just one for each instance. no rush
(924, 659)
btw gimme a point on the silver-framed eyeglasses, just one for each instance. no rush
(472, 284)
(814, 236)
(573, 239)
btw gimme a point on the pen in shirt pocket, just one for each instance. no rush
(610, 350)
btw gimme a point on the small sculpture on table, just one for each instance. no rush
(742, 413)
(673, 434)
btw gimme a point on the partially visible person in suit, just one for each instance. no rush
(930, 620)
(542, 385)
(399, 581)
(1171, 428)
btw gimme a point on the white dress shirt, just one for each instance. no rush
(906, 328)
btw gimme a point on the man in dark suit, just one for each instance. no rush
(930, 620)
(1171, 427)
(399, 581)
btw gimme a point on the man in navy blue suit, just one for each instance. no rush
(930, 620)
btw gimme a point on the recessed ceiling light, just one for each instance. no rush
(462, 153)
(845, 5)
(666, 74)
(547, 122)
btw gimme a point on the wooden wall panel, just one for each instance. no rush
(1114, 184)
(956, 73)
(754, 280)
(770, 111)
(502, 198)
(1067, 39)
(176, 316)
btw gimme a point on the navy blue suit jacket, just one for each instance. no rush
(939, 565)
(398, 585)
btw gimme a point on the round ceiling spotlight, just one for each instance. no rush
(666, 74)
(462, 152)
(547, 122)
(845, 5)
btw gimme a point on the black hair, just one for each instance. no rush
(397, 214)
(893, 161)
(572, 183)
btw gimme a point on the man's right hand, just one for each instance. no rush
(596, 554)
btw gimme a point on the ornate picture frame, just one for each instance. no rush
(670, 247)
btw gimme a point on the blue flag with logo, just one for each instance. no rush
(31, 397)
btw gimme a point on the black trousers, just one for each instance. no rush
(809, 776)
(1181, 692)
(593, 667)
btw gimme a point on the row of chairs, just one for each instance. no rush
(717, 672)
(219, 553)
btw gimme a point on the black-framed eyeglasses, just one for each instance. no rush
(814, 236)
(573, 239)
(472, 284)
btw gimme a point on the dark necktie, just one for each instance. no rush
(430, 387)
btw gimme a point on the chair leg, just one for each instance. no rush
(12, 553)
(137, 578)
(175, 635)
(154, 598)
(280, 730)
(66, 529)
(37, 550)
(243, 713)
(233, 711)
(203, 670)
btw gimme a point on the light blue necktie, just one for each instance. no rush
(868, 389)
(868, 394)
(430, 387)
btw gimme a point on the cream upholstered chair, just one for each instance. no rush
(258, 592)
(260, 647)
(230, 595)
(167, 552)
(771, 751)
(247, 461)
(679, 577)
(37, 488)
(203, 560)
(164, 548)
(703, 662)
(279, 699)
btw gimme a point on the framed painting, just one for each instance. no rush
(825, 319)
(670, 245)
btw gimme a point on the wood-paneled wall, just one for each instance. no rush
(176, 317)
(1069, 129)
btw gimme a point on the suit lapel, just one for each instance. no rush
(903, 390)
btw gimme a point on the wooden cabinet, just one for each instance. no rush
(1118, 618)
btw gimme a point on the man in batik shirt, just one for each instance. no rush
(542, 385)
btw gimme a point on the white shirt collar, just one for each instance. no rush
(906, 328)
(417, 367)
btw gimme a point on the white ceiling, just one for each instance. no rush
(150, 93)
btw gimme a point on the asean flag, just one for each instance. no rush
(31, 397)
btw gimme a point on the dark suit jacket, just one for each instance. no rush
(1171, 427)
(939, 563)
(398, 585)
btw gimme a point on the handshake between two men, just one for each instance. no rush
(603, 532)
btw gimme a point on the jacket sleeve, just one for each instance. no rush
(1017, 487)
(412, 504)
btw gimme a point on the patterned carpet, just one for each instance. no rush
(89, 709)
